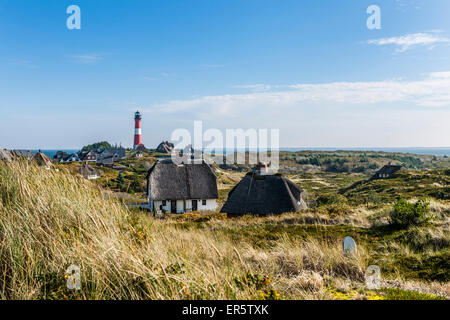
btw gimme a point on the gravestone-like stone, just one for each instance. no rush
(349, 246)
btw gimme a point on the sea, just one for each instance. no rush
(416, 150)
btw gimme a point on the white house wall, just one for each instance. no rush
(157, 203)
(150, 201)
(180, 206)
(210, 205)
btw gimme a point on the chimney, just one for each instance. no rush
(262, 169)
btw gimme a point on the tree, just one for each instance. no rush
(98, 145)
(406, 214)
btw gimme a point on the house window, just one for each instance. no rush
(203, 202)
(164, 203)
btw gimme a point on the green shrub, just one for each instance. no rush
(333, 204)
(406, 214)
(331, 198)
(338, 209)
(359, 169)
(98, 145)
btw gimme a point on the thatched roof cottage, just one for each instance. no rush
(386, 171)
(165, 147)
(5, 155)
(117, 153)
(88, 156)
(181, 188)
(42, 160)
(260, 193)
(89, 172)
(24, 154)
(106, 161)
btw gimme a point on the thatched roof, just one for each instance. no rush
(165, 147)
(27, 154)
(118, 153)
(88, 171)
(106, 160)
(42, 160)
(386, 171)
(5, 155)
(169, 181)
(264, 194)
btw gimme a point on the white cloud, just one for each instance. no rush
(168, 75)
(212, 66)
(24, 63)
(432, 91)
(87, 58)
(255, 87)
(440, 75)
(393, 113)
(409, 41)
(407, 4)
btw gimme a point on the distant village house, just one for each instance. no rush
(24, 154)
(71, 158)
(89, 156)
(42, 160)
(386, 171)
(117, 153)
(89, 172)
(165, 147)
(5, 155)
(106, 161)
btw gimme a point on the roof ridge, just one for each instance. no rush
(248, 192)
(291, 196)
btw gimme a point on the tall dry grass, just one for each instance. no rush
(50, 220)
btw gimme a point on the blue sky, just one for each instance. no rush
(309, 68)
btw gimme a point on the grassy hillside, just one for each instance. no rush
(405, 183)
(366, 162)
(50, 220)
(317, 172)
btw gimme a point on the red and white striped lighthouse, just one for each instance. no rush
(137, 131)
